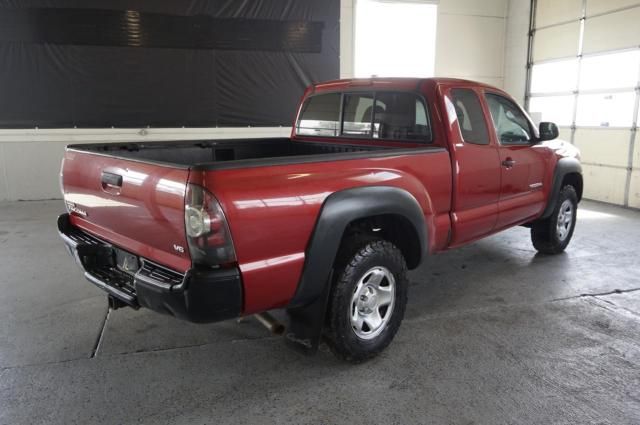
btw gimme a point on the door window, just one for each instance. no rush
(511, 125)
(470, 116)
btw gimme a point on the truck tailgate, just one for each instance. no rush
(136, 206)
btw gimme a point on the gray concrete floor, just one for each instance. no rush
(493, 334)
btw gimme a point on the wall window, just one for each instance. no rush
(556, 76)
(473, 127)
(395, 38)
(610, 71)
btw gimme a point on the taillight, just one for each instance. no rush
(207, 229)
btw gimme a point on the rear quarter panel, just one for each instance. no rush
(272, 211)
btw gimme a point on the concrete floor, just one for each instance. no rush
(493, 334)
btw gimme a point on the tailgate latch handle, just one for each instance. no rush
(111, 179)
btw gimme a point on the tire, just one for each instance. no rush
(553, 234)
(372, 273)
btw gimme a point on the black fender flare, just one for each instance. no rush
(563, 167)
(307, 308)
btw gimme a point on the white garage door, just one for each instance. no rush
(585, 76)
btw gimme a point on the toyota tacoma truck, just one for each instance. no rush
(376, 175)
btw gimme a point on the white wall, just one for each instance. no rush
(470, 44)
(347, 35)
(471, 39)
(30, 159)
(516, 48)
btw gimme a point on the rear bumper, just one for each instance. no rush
(199, 295)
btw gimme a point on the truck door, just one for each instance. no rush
(522, 164)
(475, 164)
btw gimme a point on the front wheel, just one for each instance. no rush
(553, 234)
(367, 301)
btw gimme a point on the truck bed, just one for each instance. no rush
(133, 195)
(231, 152)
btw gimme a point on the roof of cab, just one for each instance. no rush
(396, 83)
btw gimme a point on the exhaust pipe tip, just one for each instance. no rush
(271, 323)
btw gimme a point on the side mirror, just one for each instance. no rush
(548, 131)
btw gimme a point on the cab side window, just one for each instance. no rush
(512, 127)
(470, 116)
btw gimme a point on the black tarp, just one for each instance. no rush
(162, 63)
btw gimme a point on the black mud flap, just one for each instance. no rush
(305, 324)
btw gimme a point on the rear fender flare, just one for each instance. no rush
(308, 306)
(340, 209)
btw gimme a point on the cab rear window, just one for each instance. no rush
(394, 116)
(320, 116)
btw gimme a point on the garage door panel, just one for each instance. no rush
(606, 109)
(555, 76)
(606, 184)
(553, 11)
(556, 42)
(615, 70)
(612, 31)
(605, 71)
(601, 6)
(634, 189)
(564, 133)
(557, 109)
(606, 147)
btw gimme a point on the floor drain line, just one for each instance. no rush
(96, 346)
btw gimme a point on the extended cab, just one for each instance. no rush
(377, 174)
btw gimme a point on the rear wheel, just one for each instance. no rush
(368, 299)
(553, 234)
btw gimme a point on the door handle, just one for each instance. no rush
(111, 183)
(111, 179)
(508, 163)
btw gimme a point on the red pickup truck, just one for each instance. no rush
(377, 174)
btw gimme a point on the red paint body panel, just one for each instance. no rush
(518, 200)
(272, 211)
(487, 197)
(463, 190)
